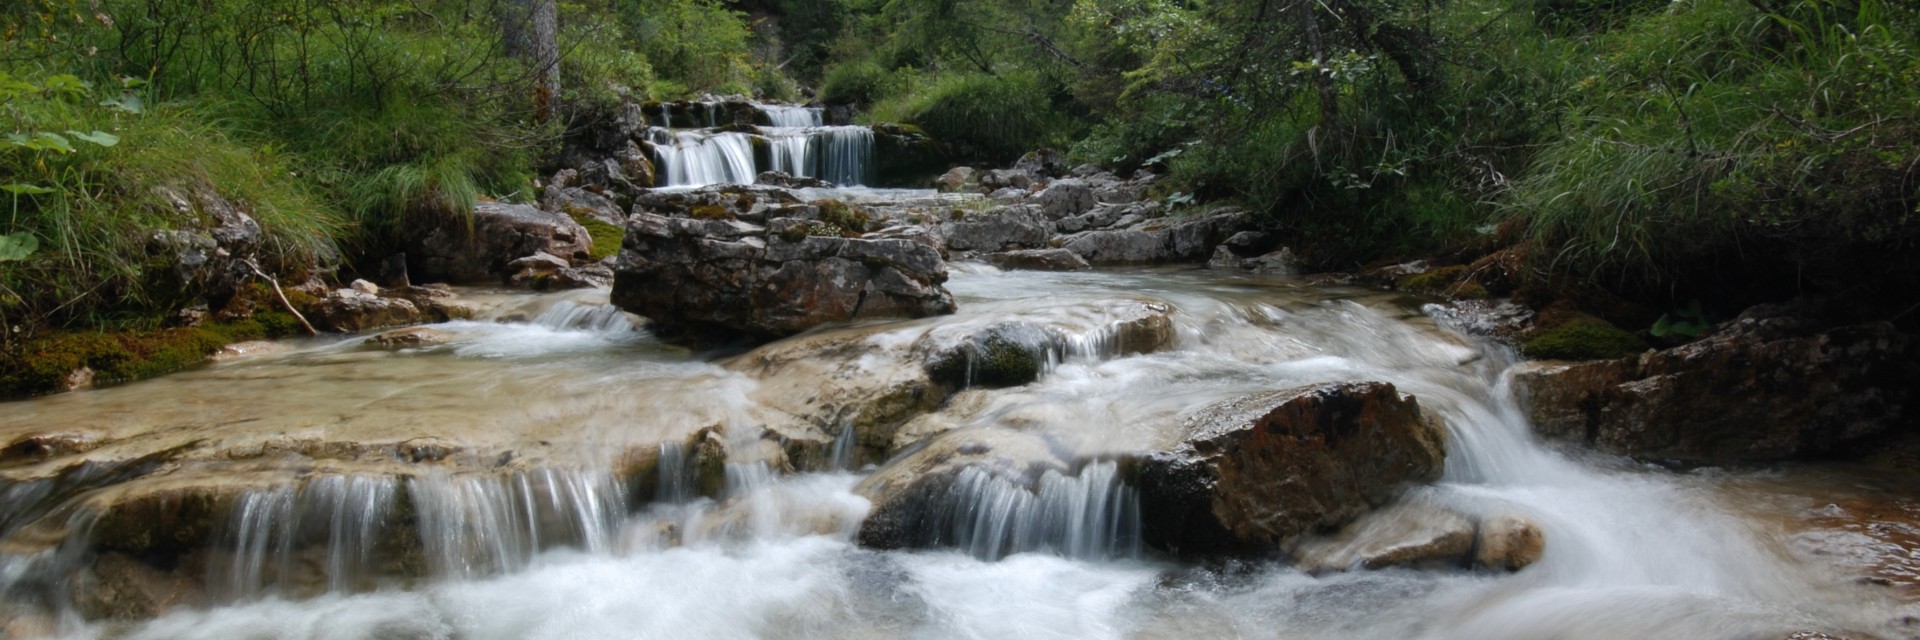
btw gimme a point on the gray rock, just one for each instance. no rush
(501, 233)
(1126, 246)
(956, 180)
(1039, 260)
(1065, 197)
(713, 278)
(1008, 227)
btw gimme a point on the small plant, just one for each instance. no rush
(1689, 322)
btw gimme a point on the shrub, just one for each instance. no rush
(997, 117)
(863, 82)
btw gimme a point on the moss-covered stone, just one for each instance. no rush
(1002, 356)
(850, 220)
(606, 237)
(709, 212)
(1453, 281)
(1582, 337)
(44, 364)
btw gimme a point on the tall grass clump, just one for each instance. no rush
(1720, 141)
(996, 117)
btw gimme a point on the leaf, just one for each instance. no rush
(101, 138)
(64, 83)
(48, 140)
(17, 246)
(127, 102)
(23, 189)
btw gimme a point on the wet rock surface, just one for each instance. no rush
(500, 234)
(1263, 470)
(1769, 385)
(1417, 534)
(692, 275)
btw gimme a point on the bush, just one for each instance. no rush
(863, 83)
(997, 118)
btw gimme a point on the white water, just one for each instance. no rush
(1631, 551)
(798, 143)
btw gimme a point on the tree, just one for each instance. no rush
(532, 33)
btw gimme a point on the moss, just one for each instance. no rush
(43, 365)
(1452, 281)
(794, 233)
(1582, 337)
(709, 212)
(850, 220)
(745, 202)
(606, 237)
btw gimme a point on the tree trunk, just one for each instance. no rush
(532, 33)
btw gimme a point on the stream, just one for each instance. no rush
(565, 548)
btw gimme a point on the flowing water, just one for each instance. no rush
(796, 141)
(558, 544)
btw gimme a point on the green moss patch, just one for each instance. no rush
(43, 365)
(606, 237)
(1582, 338)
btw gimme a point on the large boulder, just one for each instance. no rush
(1065, 197)
(693, 276)
(1121, 246)
(926, 497)
(1768, 386)
(1261, 471)
(1039, 260)
(998, 229)
(500, 234)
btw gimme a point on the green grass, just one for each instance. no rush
(997, 117)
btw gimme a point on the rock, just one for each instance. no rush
(1409, 534)
(1039, 260)
(1065, 197)
(205, 255)
(997, 179)
(365, 287)
(35, 447)
(350, 311)
(1014, 353)
(410, 338)
(1194, 238)
(1042, 163)
(1767, 386)
(575, 201)
(789, 181)
(731, 277)
(956, 180)
(1509, 543)
(1279, 263)
(534, 267)
(1127, 246)
(501, 233)
(920, 499)
(239, 350)
(1007, 227)
(437, 301)
(118, 587)
(1263, 470)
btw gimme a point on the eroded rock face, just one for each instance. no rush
(914, 499)
(1261, 471)
(351, 311)
(1767, 386)
(501, 234)
(691, 275)
(1417, 534)
(1009, 227)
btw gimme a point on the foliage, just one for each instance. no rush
(997, 117)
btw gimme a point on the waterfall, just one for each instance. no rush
(675, 475)
(477, 525)
(781, 115)
(570, 315)
(696, 158)
(789, 151)
(268, 527)
(1090, 515)
(847, 155)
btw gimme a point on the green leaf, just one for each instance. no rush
(23, 189)
(64, 83)
(47, 140)
(127, 102)
(17, 246)
(101, 138)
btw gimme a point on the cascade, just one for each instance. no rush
(797, 142)
(1089, 515)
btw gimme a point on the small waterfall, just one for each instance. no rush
(789, 151)
(840, 456)
(781, 115)
(344, 515)
(675, 475)
(847, 155)
(696, 158)
(476, 525)
(1091, 515)
(570, 315)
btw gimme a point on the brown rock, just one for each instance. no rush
(1767, 386)
(1039, 260)
(350, 311)
(501, 233)
(1263, 470)
(121, 588)
(1407, 534)
(410, 338)
(1508, 542)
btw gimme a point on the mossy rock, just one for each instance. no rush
(43, 365)
(606, 237)
(849, 219)
(708, 212)
(1452, 281)
(1583, 337)
(1006, 355)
